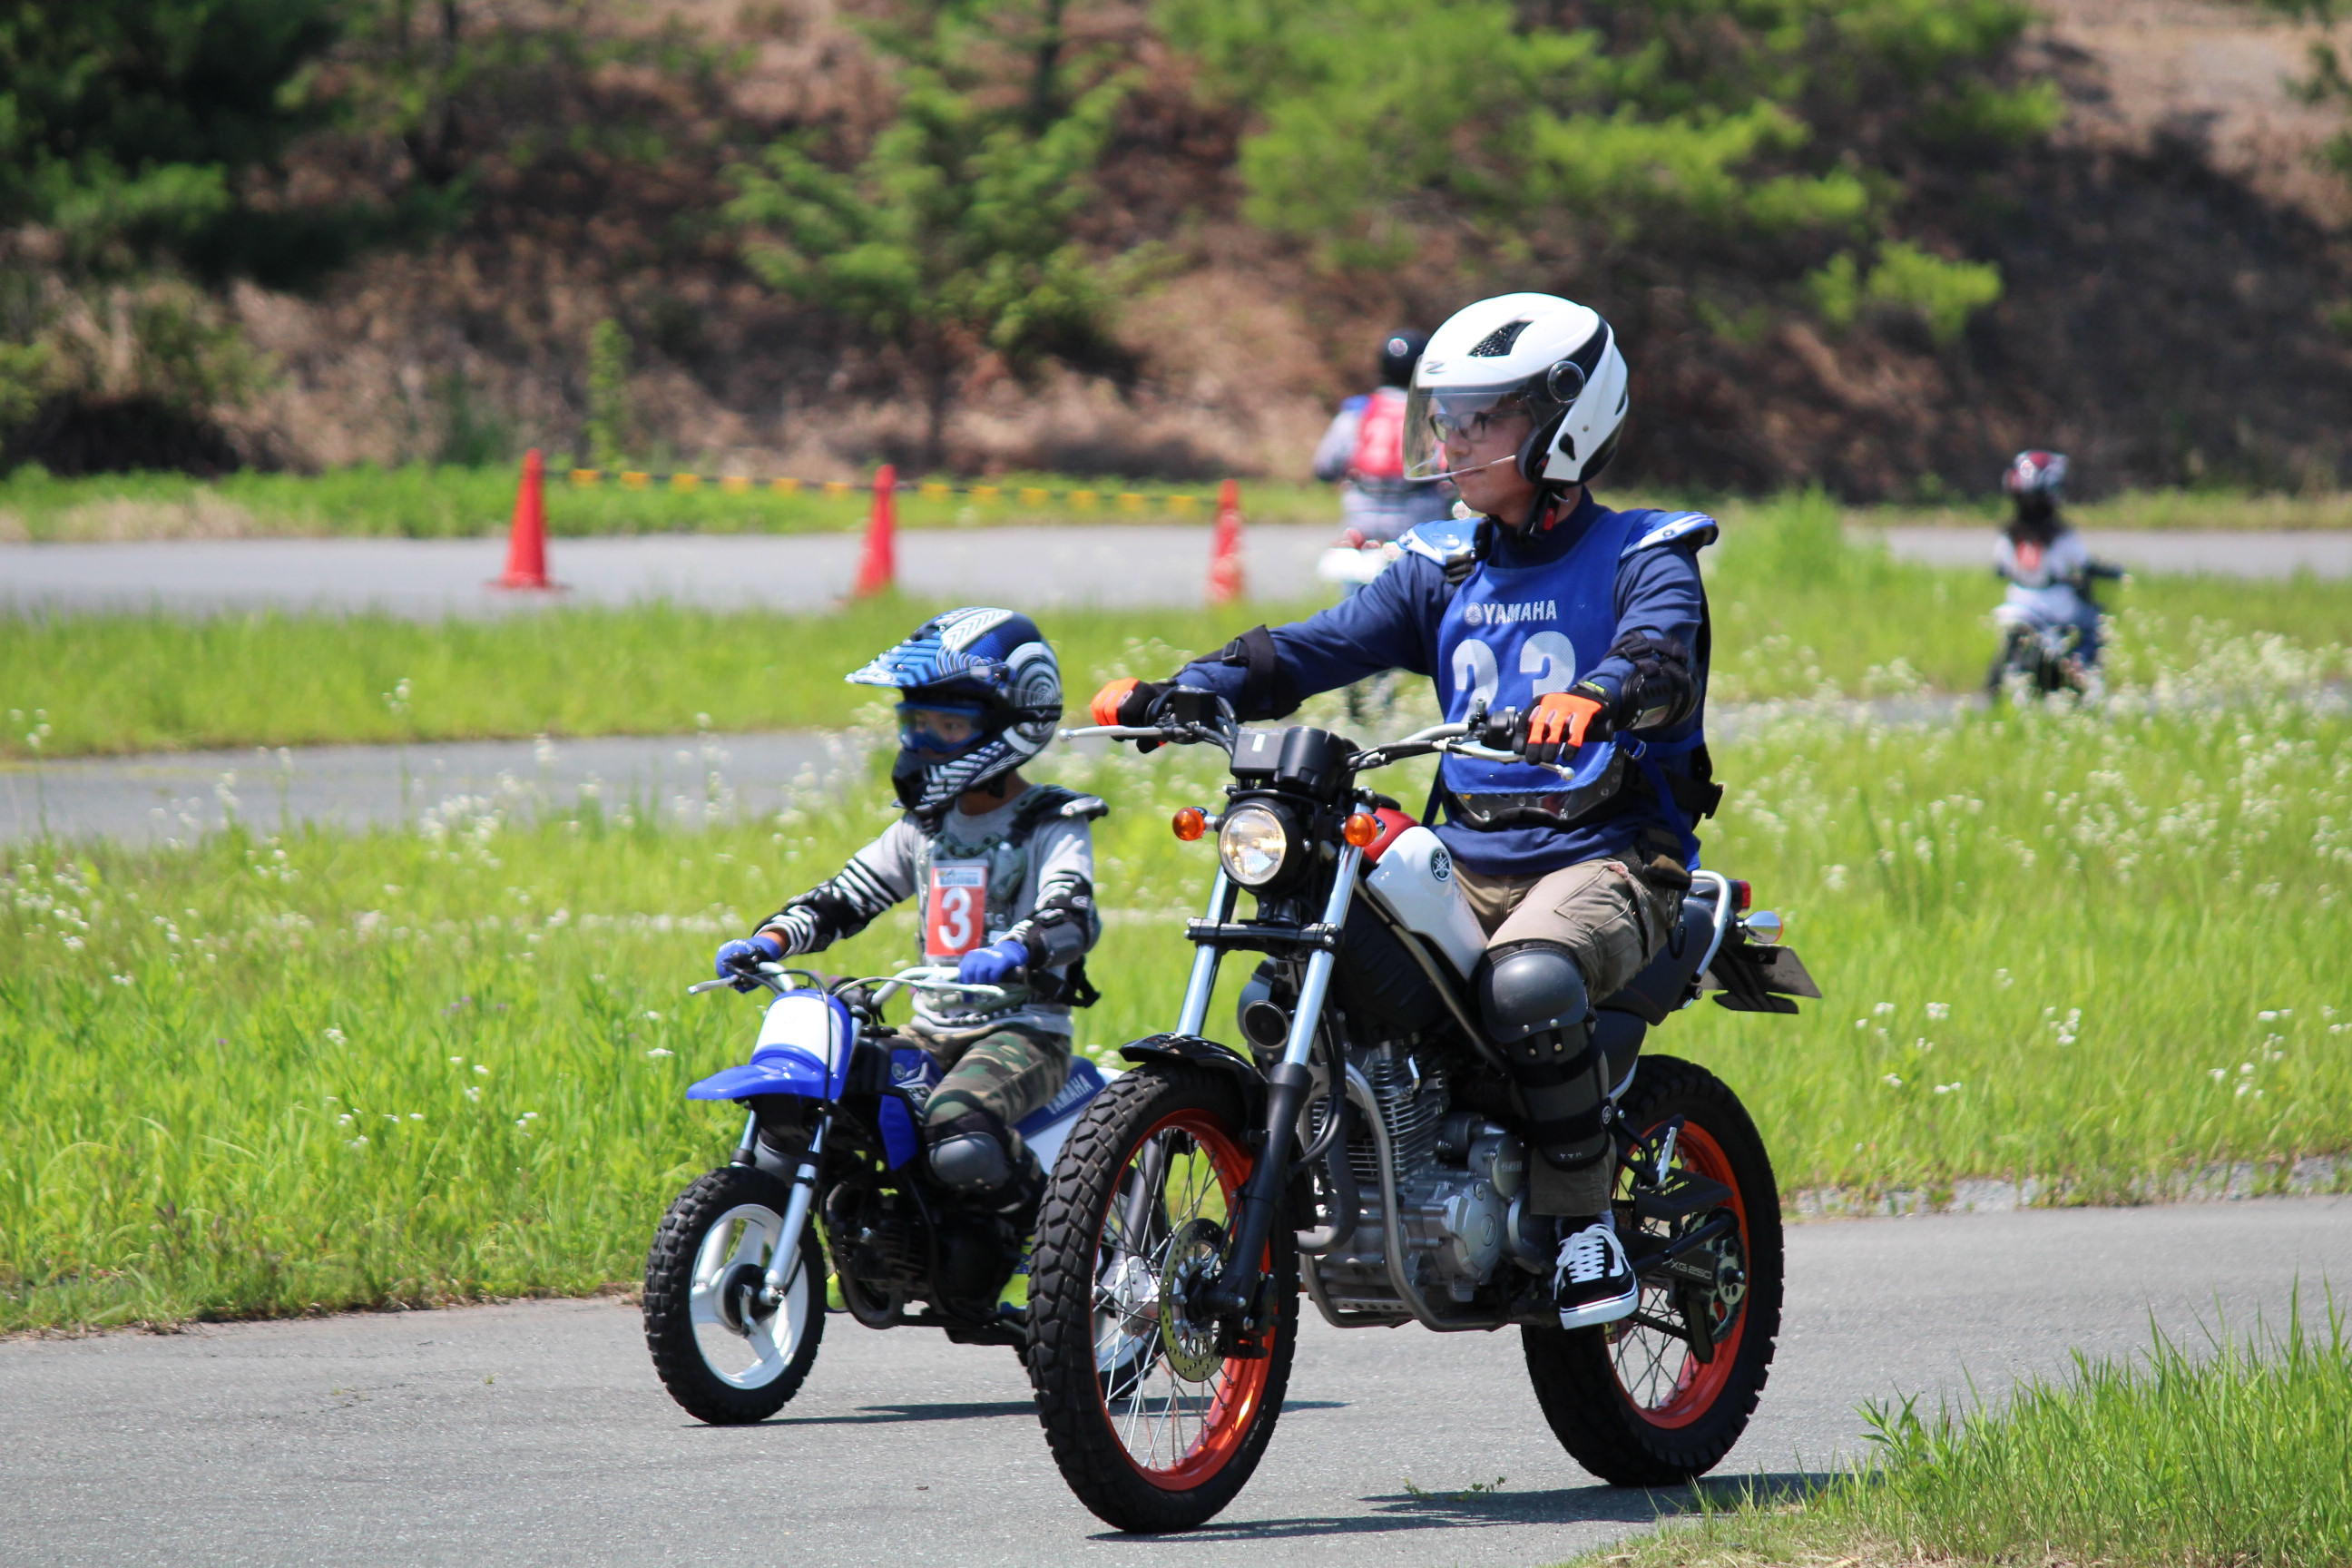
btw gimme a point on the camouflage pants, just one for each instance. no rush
(1009, 1072)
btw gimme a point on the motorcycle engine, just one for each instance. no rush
(1457, 1177)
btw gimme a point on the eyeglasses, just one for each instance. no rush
(1471, 429)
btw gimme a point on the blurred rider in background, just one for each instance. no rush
(2048, 568)
(1364, 451)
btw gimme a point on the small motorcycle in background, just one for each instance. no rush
(2038, 658)
(831, 1164)
(2041, 653)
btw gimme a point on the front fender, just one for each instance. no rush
(1197, 1052)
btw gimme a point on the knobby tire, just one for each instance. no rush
(1686, 1416)
(1092, 1419)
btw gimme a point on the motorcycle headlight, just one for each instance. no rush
(1254, 844)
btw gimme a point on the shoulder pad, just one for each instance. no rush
(1445, 541)
(1693, 528)
(1085, 808)
(1047, 801)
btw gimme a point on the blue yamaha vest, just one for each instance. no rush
(1509, 635)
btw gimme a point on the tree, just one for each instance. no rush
(124, 123)
(1632, 139)
(951, 235)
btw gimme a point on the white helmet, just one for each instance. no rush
(1556, 359)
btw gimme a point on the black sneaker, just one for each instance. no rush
(1591, 1281)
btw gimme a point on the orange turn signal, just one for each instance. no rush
(1190, 823)
(1360, 830)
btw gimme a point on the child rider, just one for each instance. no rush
(1001, 871)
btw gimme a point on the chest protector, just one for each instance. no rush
(1379, 452)
(968, 891)
(1509, 635)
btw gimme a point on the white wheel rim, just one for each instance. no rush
(756, 1354)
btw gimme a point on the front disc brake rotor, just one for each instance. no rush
(1195, 1257)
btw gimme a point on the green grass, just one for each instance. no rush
(424, 502)
(1796, 608)
(420, 502)
(110, 683)
(2229, 1456)
(2093, 954)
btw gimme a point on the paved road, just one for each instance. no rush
(535, 1433)
(2247, 555)
(180, 796)
(166, 795)
(1140, 565)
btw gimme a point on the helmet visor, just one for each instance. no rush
(933, 732)
(1451, 430)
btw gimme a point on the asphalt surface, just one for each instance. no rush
(536, 1433)
(160, 797)
(180, 796)
(2230, 554)
(1115, 565)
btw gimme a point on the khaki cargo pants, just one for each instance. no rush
(1614, 917)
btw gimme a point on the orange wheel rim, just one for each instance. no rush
(1174, 1431)
(1672, 1387)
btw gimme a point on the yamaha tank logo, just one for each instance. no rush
(1441, 864)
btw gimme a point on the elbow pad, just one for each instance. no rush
(1268, 690)
(1662, 687)
(1063, 926)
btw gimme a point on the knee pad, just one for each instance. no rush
(1529, 987)
(970, 1153)
(1532, 998)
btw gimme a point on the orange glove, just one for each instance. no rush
(1105, 707)
(1560, 720)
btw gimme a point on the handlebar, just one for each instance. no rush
(1485, 735)
(915, 977)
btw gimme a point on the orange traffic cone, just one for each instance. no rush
(527, 540)
(877, 569)
(1225, 552)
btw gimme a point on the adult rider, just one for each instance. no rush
(1594, 623)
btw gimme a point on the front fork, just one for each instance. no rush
(785, 1264)
(1238, 1292)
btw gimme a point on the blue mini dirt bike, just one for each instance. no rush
(831, 1161)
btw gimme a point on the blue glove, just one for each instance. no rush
(736, 955)
(994, 964)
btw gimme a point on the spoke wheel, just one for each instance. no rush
(1637, 1402)
(1154, 1427)
(724, 1354)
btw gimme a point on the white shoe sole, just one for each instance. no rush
(1592, 1314)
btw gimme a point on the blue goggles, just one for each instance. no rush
(940, 731)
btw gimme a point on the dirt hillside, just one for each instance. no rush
(2178, 304)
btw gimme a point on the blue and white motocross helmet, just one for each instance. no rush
(980, 694)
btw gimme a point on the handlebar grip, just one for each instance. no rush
(1501, 729)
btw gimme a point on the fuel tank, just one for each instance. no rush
(1414, 881)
